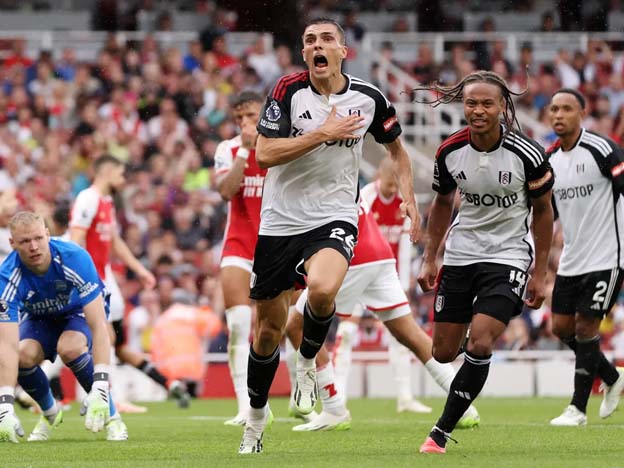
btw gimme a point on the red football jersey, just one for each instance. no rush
(371, 246)
(387, 213)
(243, 223)
(96, 214)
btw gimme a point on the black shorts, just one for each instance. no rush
(278, 260)
(592, 294)
(120, 333)
(488, 288)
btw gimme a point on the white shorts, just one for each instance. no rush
(238, 262)
(375, 286)
(117, 305)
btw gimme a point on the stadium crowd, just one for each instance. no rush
(163, 111)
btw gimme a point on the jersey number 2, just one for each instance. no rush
(601, 288)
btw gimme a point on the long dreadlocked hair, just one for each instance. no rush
(447, 94)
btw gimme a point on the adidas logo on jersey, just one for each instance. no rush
(461, 176)
(596, 306)
(306, 115)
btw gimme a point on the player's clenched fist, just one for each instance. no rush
(427, 276)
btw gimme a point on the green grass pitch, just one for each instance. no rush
(513, 433)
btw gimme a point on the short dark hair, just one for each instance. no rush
(579, 97)
(61, 214)
(326, 20)
(104, 160)
(244, 98)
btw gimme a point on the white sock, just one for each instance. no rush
(257, 415)
(332, 400)
(238, 320)
(291, 363)
(116, 376)
(443, 374)
(345, 337)
(306, 363)
(401, 362)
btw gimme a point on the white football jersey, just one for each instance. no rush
(589, 181)
(321, 186)
(493, 220)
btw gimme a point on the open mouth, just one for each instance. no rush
(320, 62)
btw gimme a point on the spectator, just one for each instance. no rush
(164, 21)
(425, 70)
(192, 60)
(285, 60)
(43, 84)
(353, 32)
(566, 72)
(483, 60)
(18, 57)
(66, 67)
(263, 61)
(226, 62)
(548, 22)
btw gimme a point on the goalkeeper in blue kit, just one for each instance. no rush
(52, 287)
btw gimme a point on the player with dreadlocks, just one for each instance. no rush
(502, 178)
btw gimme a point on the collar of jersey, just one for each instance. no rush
(342, 91)
(575, 143)
(493, 148)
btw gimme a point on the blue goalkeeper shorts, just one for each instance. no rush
(47, 331)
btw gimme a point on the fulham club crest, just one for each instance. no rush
(504, 177)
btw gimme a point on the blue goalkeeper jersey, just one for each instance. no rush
(70, 283)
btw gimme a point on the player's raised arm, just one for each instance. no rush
(232, 156)
(229, 178)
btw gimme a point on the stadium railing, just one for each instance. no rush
(425, 126)
(87, 44)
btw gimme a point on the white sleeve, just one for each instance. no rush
(223, 157)
(84, 210)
